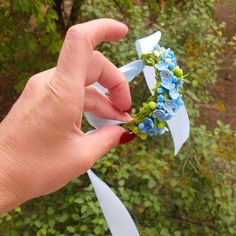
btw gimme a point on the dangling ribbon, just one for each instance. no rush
(118, 218)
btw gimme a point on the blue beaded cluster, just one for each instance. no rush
(167, 98)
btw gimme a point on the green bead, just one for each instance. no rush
(168, 60)
(152, 105)
(161, 125)
(136, 130)
(177, 71)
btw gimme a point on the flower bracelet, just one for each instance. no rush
(163, 104)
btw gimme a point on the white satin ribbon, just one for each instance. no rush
(118, 219)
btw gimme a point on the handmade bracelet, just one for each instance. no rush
(166, 99)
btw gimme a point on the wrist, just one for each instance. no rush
(9, 194)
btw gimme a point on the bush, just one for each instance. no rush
(191, 194)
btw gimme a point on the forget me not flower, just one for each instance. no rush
(161, 65)
(160, 98)
(169, 105)
(174, 94)
(159, 114)
(179, 102)
(160, 90)
(166, 74)
(179, 83)
(166, 78)
(146, 126)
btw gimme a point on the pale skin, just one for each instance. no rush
(42, 147)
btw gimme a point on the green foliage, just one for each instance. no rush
(191, 194)
(29, 42)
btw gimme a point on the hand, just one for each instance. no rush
(42, 146)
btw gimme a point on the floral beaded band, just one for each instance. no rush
(163, 104)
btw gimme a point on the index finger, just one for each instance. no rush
(77, 51)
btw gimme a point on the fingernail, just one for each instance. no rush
(126, 137)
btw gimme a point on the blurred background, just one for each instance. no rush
(191, 194)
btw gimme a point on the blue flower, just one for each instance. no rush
(163, 57)
(174, 94)
(168, 116)
(169, 105)
(159, 131)
(159, 114)
(171, 65)
(160, 105)
(160, 90)
(160, 98)
(171, 54)
(179, 102)
(162, 65)
(174, 79)
(179, 83)
(146, 126)
(153, 132)
(174, 60)
(167, 83)
(166, 74)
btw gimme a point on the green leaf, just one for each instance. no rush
(70, 229)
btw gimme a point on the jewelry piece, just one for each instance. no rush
(166, 100)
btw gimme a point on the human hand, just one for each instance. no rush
(42, 146)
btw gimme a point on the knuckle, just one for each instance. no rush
(32, 81)
(30, 87)
(98, 55)
(79, 34)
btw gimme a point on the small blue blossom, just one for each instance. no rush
(153, 132)
(174, 94)
(146, 126)
(179, 102)
(159, 114)
(167, 83)
(171, 54)
(163, 57)
(160, 98)
(159, 131)
(174, 79)
(171, 66)
(160, 90)
(168, 116)
(162, 65)
(160, 105)
(169, 105)
(179, 83)
(166, 74)
(174, 60)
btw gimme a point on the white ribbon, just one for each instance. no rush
(118, 219)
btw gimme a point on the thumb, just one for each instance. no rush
(104, 139)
